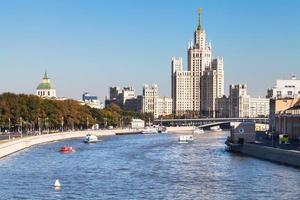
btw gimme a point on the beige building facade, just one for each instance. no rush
(259, 107)
(181, 88)
(152, 103)
(241, 105)
(278, 106)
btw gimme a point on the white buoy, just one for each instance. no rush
(57, 184)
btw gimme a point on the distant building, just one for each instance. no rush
(222, 107)
(150, 95)
(208, 93)
(181, 88)
(124, 97)
(278, 106)
(238, 101)
(218, 66)
(164, 106)
(137, 124)
(134, 104)
(46, 88)
(285, 89)
(114, 92)
(152, 103)
(288, 122)
(241, 105)
(126, 94)
(259, 107)
(91, 101)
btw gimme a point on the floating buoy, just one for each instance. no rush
(57, 184)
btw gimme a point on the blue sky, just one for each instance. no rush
(89, 45)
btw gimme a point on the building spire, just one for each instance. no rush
(199, 20)
(45, 75)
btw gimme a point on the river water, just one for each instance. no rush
(144, 167)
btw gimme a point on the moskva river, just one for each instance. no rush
(144, 167)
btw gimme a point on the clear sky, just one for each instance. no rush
(89, 45)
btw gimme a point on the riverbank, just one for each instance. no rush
(266, 149)
(282, 156)
(14, 146)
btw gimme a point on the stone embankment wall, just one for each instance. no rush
(23, 143)
(26, 142)
(287, 157)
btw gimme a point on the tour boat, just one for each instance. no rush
(66, 149)
(198, 131)
(90, 139)
(149, 130)
(185, 138)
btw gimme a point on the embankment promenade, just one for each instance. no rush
(14, 146)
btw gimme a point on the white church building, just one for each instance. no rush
(46, 88)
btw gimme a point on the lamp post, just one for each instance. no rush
(39, 124)
(21, 126)
(47, 124)
(87, 123)
(62, 124)
(105, 122)
(9, 124)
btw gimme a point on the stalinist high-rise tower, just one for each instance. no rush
(195, 90)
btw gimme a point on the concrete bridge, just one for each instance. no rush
(208, 122)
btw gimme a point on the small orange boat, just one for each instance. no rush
(66, 149)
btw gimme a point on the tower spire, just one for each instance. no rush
(46, 74)
(199, 20)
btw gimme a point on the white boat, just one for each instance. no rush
(216, 128)
(198, 131)
(150, 130)
(185, 138)
(162, 129)
(90, 139)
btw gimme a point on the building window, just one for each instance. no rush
(290, 93)
(279, 93)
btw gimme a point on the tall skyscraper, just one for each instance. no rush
(196, 89)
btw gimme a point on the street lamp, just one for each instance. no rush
(21, 128)
(9, 124)
(39, 124)
(62, 124)
(47, 124)
(87, 123)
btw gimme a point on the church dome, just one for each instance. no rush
(46, 84)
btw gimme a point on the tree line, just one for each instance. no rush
(30, 112)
